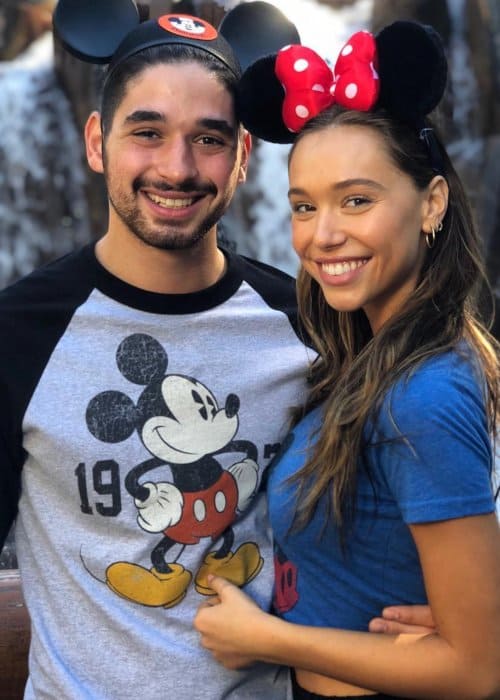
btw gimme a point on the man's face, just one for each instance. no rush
(173, 156)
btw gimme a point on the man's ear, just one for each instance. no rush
(93, 142)
(245, 155)
(435, 204)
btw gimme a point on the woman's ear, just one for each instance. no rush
(435, 204)
(94, 142)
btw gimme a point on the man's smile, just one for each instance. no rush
(170, 202)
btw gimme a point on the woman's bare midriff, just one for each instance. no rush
(322, 685)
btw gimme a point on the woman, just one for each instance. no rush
(384, 488)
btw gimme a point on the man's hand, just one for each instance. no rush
(398, 619)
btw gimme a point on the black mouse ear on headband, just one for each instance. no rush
(413, 70)
(257, 31)
(93, 29)
(259, 102)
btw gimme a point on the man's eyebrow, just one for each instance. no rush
(220, 125)
(144, 115)
(342, 185)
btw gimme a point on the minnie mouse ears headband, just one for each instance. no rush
(109, 31)
(403, 70)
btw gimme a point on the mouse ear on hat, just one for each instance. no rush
(413, 69)
(93, 29)
(257, 29)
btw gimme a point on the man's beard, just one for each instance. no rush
(162, 235)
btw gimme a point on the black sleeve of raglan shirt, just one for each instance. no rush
(34, 313)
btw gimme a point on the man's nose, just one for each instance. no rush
(175, 161)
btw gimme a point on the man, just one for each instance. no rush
(146, 387)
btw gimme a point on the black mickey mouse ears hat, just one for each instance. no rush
(109, 31)
(402, 70)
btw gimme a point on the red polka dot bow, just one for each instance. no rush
(311, 86)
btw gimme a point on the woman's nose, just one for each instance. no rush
(329, 231)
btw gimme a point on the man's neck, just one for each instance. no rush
(162, 271)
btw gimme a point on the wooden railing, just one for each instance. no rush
(14, 636)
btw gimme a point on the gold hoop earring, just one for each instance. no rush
(430, 238)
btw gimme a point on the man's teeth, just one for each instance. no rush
(341, 268)
(170, 203)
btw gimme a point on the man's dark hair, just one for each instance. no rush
(116, 82)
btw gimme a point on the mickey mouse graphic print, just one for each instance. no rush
(182, 426)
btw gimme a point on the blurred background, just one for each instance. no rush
(50, 202)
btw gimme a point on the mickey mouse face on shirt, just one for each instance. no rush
(177, 417)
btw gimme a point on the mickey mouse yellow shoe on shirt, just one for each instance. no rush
(148, 586)
(239, 568)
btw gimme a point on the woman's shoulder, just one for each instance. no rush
(447, 385)
(446, 373)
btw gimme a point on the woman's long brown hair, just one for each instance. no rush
(355, 369)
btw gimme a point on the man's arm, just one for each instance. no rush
(10, 486)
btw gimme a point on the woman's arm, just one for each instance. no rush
(461, 563)
(396, 619)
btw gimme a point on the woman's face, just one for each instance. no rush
(357, 220)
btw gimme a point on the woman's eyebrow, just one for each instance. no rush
(342, 185)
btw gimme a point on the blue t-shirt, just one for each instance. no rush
(439, 470)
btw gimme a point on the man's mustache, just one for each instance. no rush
(186, 187)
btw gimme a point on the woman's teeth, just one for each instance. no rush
(340, 268)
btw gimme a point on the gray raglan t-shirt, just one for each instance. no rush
(138, 427)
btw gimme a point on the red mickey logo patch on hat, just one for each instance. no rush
(188, 27)
(311, 86)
